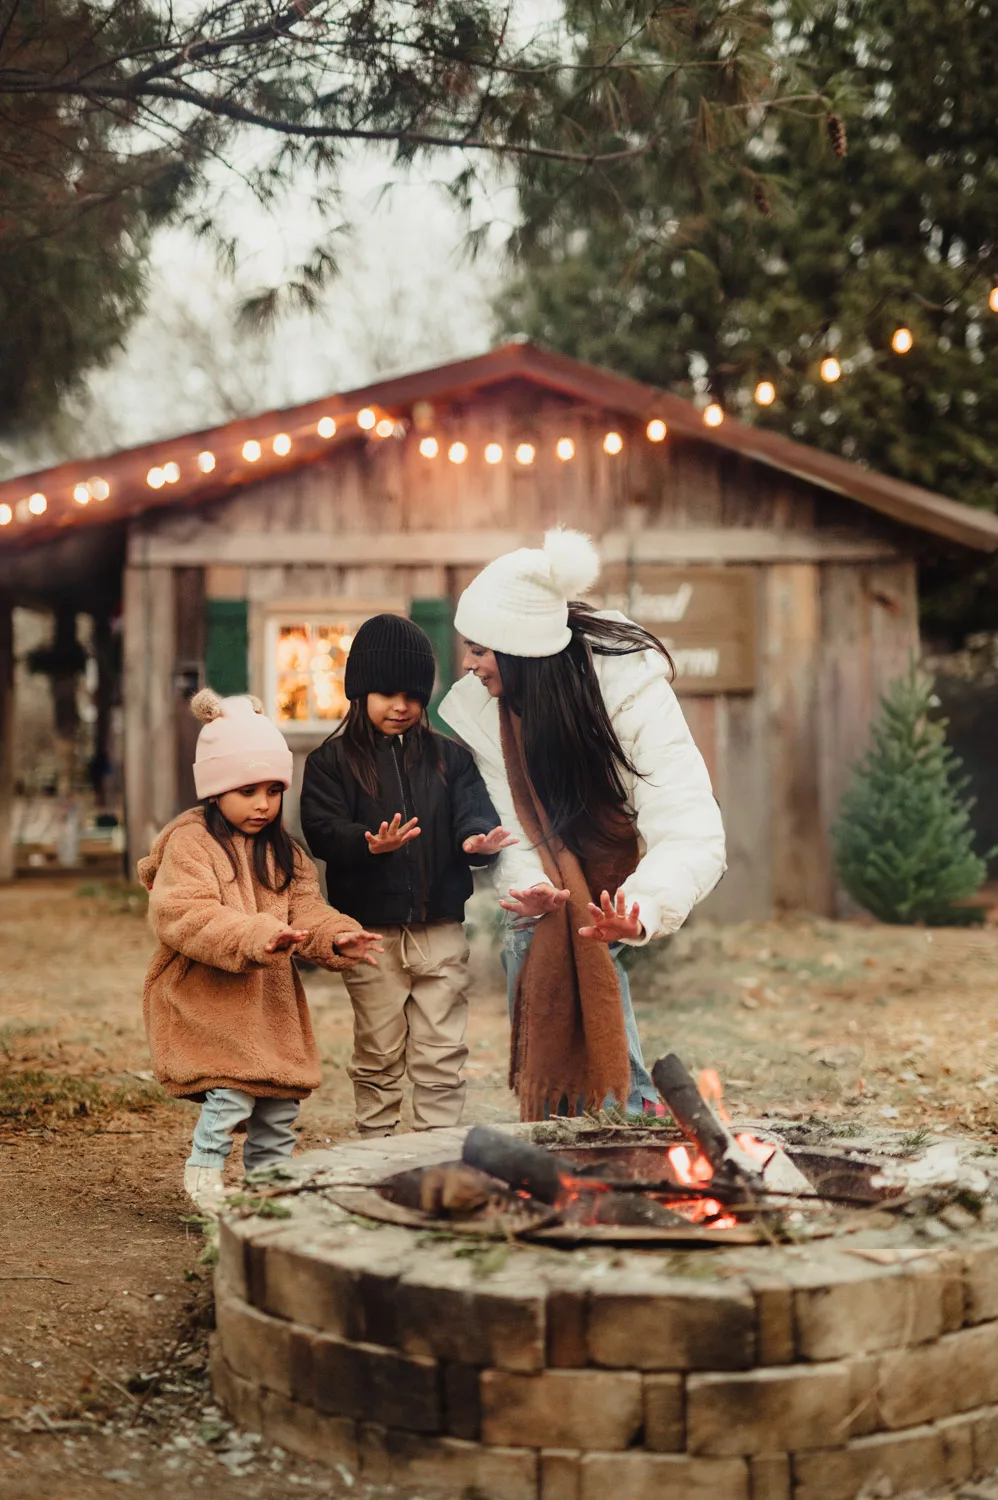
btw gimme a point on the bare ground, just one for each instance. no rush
(104, 1303)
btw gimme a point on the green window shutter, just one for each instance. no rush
(436, 617)
(226, 654)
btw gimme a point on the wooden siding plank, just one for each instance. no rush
(150, 765)
(6, 740)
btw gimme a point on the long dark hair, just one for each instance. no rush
(359, 738)
(275, 853)
(573, 756)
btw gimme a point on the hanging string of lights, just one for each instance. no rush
(98, 489)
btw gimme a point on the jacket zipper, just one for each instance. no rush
(406, 851)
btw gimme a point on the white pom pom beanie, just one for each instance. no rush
(519, 603)
(238, 746)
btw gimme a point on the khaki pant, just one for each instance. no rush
(410, 1015)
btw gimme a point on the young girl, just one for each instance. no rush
(232, 898)
(399, 813)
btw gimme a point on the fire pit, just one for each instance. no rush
(392, 1308)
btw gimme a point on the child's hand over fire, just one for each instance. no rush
(612, 922)
(489, 843)
(361, 946)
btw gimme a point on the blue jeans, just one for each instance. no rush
(270, 1139)
(516, 943)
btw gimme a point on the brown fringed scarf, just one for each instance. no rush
(568, 1040)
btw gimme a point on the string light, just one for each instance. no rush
(613, 443)
(902, 340)
(366, 418)
(385, 427)
(171, 472)
(656, 430)
(429, 447)
(282, 444)
(525, 453)
(457, 453)
(155, 479)
(327, 427)
(993, 299)
(251, 450)
(830, 369)
(565, 449)
(99, 488)
(38, 505)
(206, 461)
(493, 453)
(81, 494)
(713, 415)
(6, 515)
(765, 393)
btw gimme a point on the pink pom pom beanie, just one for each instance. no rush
(238, 746)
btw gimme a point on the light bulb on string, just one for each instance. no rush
(251, 450)
(366, 418)
(282, 444)
(38, 504)
(993, 299)
(765, 393)
(902, 340)
(713, 415)
(656, 430)
(429, 447)
(830, 369)
(155, 479)
(493, 453)
(206, 461)
(81, 494)
(99, 488)
(525, 453)
(613, 444)
(457, 453)
(565, 449)
(327, 427)
(6, 515)
(385, 427)
(171, 472)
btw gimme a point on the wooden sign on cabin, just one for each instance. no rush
(705, 617)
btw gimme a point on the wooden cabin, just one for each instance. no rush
(783, 579)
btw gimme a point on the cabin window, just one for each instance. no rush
(306, 660)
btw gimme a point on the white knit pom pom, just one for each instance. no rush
(206, 705)
(573, 560)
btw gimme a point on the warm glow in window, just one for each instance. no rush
(309, 663)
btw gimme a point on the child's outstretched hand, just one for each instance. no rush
(288, 937)
(391, 836)
(361, 945)
(489, 843)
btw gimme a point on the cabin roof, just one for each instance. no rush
(124, 474)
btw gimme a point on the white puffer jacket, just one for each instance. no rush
(678, 821)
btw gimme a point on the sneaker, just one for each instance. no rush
(374, 1132)
(203, 1186)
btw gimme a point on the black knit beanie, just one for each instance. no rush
(390, 655)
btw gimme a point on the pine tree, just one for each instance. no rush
(903, 840)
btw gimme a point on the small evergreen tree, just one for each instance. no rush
(904, 846)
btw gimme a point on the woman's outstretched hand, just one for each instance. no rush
(288, 937)
(489, 843)
(361, 945)
(535, 902)
(612, 922)
(391, 836)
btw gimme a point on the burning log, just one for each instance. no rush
(525, 1168)
(730, 1162)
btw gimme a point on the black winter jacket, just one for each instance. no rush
(428, 879)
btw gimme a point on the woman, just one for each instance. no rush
(589, 762)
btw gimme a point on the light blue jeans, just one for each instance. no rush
(270, 1139)
(516, 943)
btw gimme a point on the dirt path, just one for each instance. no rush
(104, 1306)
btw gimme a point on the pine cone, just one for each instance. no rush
(761, 197)
(836, 134)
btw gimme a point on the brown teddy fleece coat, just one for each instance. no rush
(220, 1012)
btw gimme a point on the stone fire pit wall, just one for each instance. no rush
(759, 1373)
